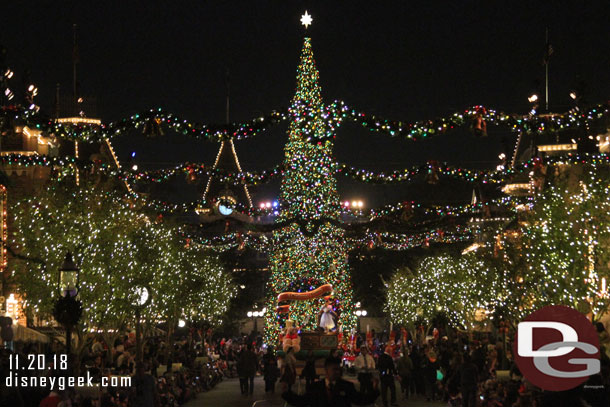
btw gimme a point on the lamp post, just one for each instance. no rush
(68, 309)
(360, 313)
(142, 298)
(255, 315)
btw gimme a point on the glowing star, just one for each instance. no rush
(306, 19)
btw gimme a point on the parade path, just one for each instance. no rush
(226, 394)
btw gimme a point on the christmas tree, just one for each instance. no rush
(310, 250)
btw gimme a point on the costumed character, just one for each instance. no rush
(327, 317)
(291, 338)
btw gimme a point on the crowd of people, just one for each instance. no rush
(169, 376)
(464, 371)
(457, 369)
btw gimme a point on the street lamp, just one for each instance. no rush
(142, 298)
(69, 276)
(68, 309)
(360, 313)
(256, 314)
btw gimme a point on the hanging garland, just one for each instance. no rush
(68, 163)
(477, 117)
(392, 241)
(38, 160)
(199, 170)
(371, 240)
(153, 123)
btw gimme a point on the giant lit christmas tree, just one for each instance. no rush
(310, 250)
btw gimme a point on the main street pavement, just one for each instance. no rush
(226, 394)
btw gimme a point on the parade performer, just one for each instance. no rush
(327, 317)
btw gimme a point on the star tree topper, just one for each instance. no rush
(306, 19)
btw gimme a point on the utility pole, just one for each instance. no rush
(228, 86)
(74, 64)
(547, 56)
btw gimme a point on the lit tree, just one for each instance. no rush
(558, 255)
(565, 243)
(310, 250)
(444, 285)
(116, 248)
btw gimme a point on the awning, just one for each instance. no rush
(25, 334)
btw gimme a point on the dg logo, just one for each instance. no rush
(556, 348)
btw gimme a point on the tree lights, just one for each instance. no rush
(453, 286)
(566, 241)
(307, 255)
(117, 247)
(558, 254)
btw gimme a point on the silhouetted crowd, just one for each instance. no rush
(464, 371)
(168, 376)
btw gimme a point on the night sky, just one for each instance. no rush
(402, 60)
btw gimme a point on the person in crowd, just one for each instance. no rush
(98, 346)
(146, 394)
(124, 360)
(289, 369)
(431, 366)
(231, 356)
(52, 400)
(387, 371)
(332, 391)
(365, 365)
(270, 370)
(249, 365)
(405, 372)
(468, 374)
(309, 371)
(241, 373)
(418, 378)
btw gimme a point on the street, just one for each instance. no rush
(227, 394)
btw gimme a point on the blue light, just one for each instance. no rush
(133, 154)
(275, 204)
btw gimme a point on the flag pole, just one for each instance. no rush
(546, 68)
(74, 62)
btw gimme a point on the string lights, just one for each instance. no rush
(308, 255)
(115, 247)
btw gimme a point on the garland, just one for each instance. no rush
(39, 160)
(427, 128)
(372, 240)
(155, 122)
(254, 178)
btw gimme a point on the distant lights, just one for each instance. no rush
(269, 204)
(356, 204)
(256, 314)
(33, 90)
(533, 98)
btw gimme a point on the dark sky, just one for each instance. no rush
(402, 60)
